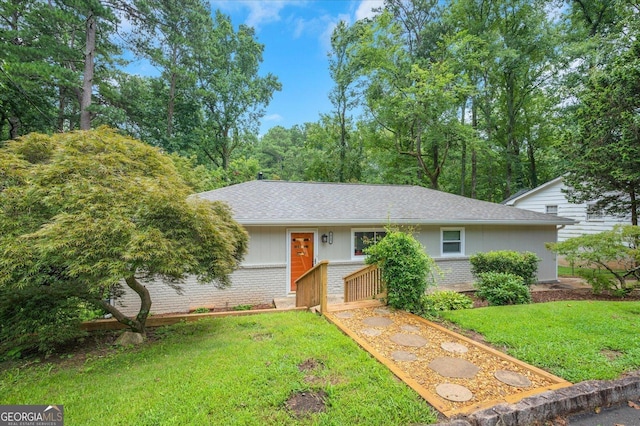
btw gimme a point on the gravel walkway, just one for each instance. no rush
(453, 373)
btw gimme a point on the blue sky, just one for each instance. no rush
(296, 35)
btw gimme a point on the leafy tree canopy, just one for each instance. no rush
(616, 251)
(93, 210)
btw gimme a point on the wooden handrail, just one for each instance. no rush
(311, 287)
(365, 283)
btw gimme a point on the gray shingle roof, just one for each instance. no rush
(263, 202)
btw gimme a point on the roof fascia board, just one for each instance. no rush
(561, 221)
(533, 191)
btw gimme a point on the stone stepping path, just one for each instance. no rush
(371, 332)
(454, 347)
(512, 378)
(448, 370)
(377, 321)
(403, 356)
(454, 367)
(454, 392)
(408, 340)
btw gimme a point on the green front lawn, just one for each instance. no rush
(576, 340)
(238, 370)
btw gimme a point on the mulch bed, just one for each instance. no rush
(554, 295)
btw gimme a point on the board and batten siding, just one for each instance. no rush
(551, 194)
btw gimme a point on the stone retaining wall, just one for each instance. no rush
(581, 397)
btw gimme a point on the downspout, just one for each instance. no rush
(558, 228)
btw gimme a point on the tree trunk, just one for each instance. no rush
(137, 324)
(533, 171)
(61, 108)
(474, 153)
(173, 81)
(634, 208)
(463, 152)
(14, 127)
(171, 105)
(87, 82)
(343, 144)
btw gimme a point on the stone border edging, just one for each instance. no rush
(580, 397)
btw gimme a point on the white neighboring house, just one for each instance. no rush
(549, 198)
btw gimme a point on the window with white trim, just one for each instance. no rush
(452, 242)
(363, 238)
(551, 210)
(594, 214)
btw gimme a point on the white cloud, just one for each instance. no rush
(365, 9)
(325, 37)
(260, 12)
(272, 117)
(263, 12)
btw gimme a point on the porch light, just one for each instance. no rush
(325, 238)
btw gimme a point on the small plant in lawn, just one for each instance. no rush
(499, 288)
(406, 269)
(446, 300)
(524, 264)
(242, 307)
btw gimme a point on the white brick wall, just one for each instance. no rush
(251, 285)
(454, 271)
(260, 284)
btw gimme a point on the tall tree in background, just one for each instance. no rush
(172, 34)
(49, 62)
(232, 93)
(603, 148)
(27, 100)
(524, 65)
(344, 71)
(91, 39)
(412, 92)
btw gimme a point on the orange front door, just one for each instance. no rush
(301, 255)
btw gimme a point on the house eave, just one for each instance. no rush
(533, 191)
(378, 222)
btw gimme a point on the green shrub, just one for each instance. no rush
(446, 300)
(201, 310)
(39, 319)
(524, 265)
(500, 288)
(406, 269)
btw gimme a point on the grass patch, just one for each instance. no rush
(575, 271)
(576, 340)
(233, 370)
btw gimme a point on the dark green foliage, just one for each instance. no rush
(406, 269)
(500, 288)
(40, 319)
(603, 146)
(524, 265)
(446, 300)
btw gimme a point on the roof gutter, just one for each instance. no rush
(378, 222)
